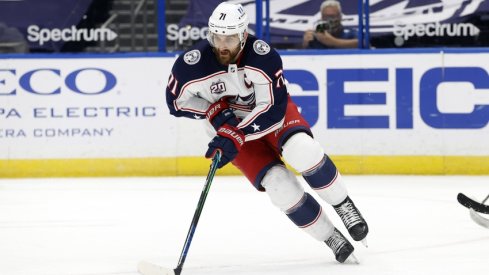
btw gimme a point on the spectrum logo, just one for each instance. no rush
(44, 35)
(404, 32)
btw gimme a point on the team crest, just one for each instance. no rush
(192, 57)
(261, 47)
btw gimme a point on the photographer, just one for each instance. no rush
(329, 32)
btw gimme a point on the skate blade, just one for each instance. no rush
(364, 242)
(352, 259)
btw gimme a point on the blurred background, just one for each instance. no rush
(173, 25)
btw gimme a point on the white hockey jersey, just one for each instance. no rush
(254, 86)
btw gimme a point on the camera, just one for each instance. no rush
(331, 25)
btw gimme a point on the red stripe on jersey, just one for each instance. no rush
(245, 108)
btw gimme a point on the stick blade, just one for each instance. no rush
(147, 268)
(476, 217)
(464, 200)
(472, 204)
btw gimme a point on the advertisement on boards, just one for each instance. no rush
(390, 104)
(108, 107)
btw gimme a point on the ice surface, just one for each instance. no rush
(106, 226)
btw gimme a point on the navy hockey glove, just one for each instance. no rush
(229, 140)
(219, 114)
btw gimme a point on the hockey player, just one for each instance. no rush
(235, 82)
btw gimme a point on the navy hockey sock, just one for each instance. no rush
(323, 175)
(306, 212)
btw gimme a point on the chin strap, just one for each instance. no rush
(242, 44)
(239, 55)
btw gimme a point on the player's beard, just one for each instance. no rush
(226, 56)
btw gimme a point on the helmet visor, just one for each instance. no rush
(221, 41)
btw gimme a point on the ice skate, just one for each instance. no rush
(341, 247)
(353, 220)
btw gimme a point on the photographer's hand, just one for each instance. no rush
(329, 40)
(325, 38)
(308, 37)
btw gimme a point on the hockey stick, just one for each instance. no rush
(470, 203)
(475, 209)
(147, 268)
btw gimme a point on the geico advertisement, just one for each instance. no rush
(51, 108)
(400, 104)
(357, 104)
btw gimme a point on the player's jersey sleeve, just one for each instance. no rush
(182, 96)
(265, 71)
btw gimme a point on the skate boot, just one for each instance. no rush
(353, 220)
(341, 247)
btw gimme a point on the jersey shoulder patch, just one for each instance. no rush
(192, 57)
(261, 47)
